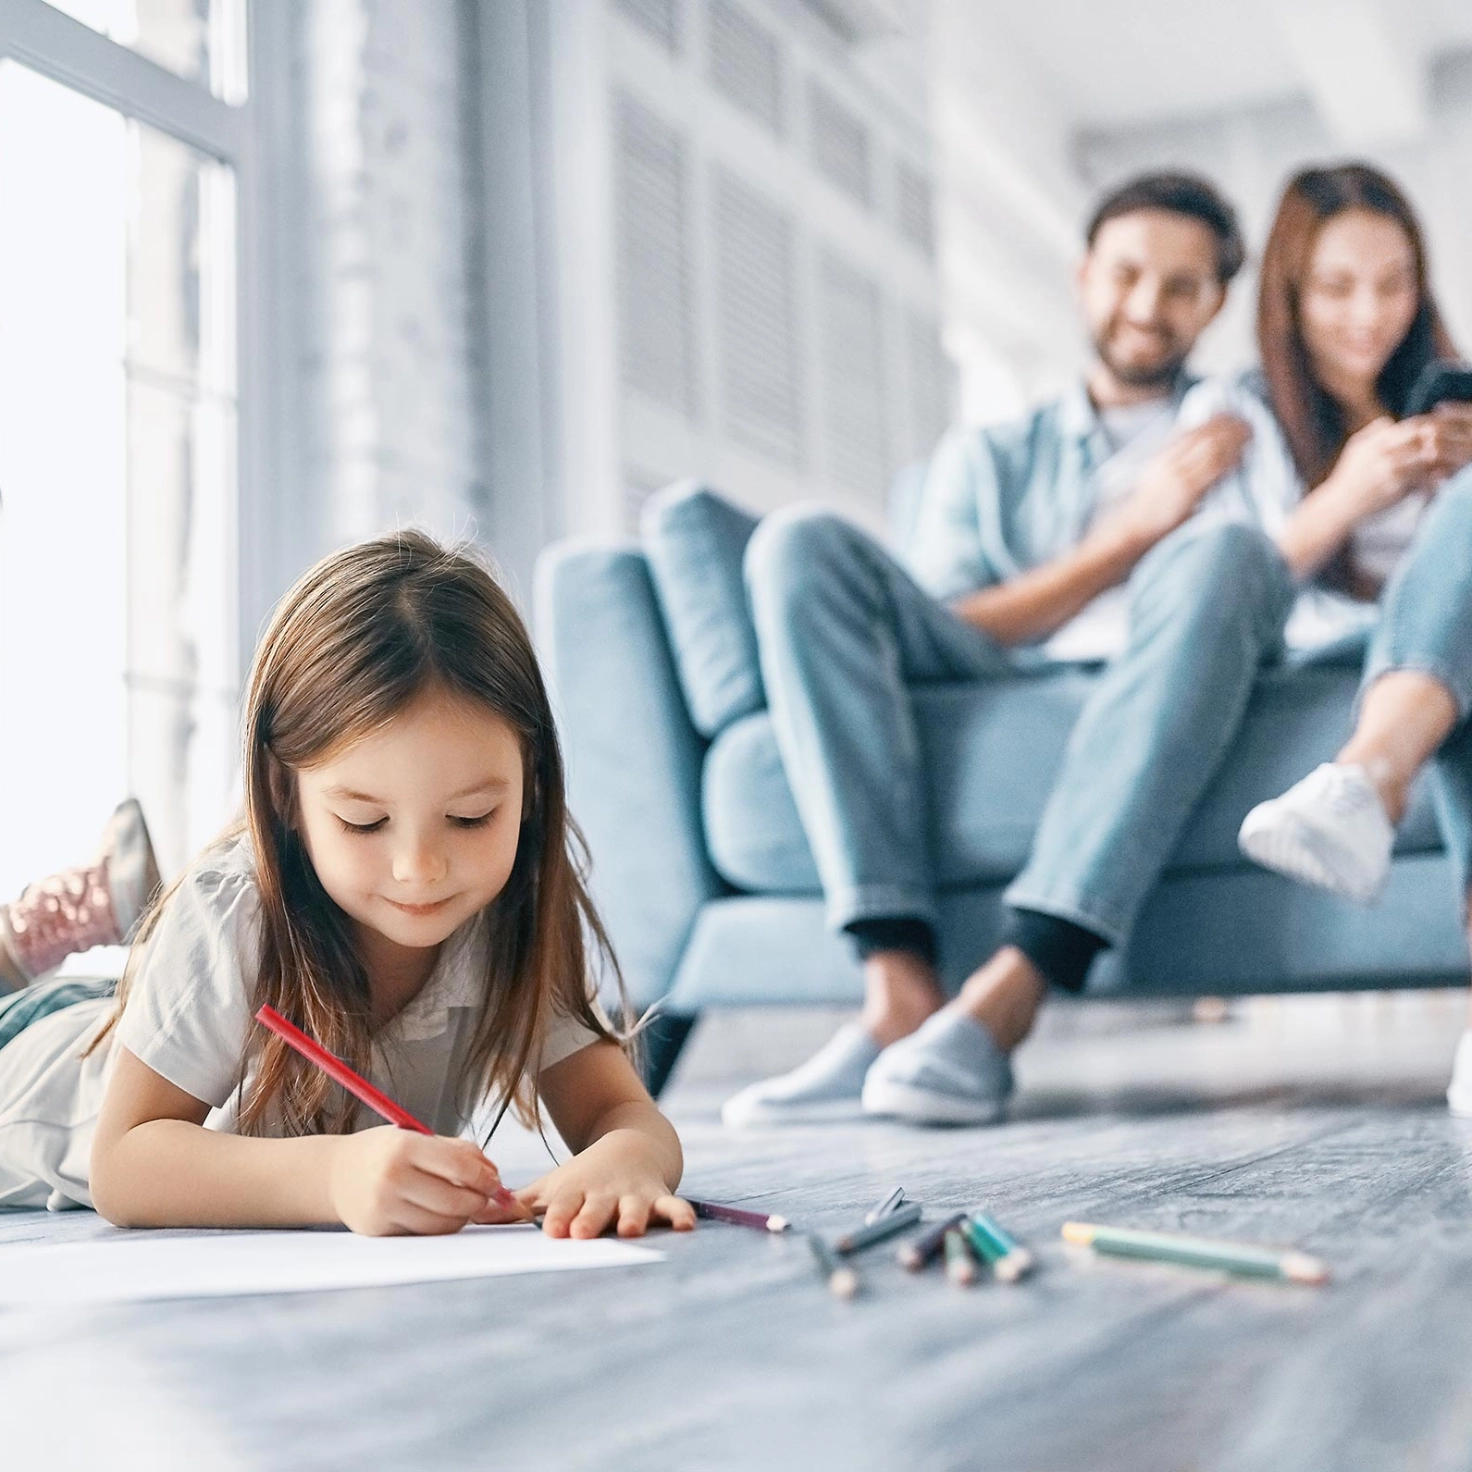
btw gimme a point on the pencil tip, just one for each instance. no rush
(1299, 1267)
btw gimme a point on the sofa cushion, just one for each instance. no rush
(991, 752)
(1223, 933)
(695, 541)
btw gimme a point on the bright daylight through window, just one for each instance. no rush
(118, 447)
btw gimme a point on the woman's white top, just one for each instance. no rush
(189, 1018)
(1380, 541)
(1261, 490)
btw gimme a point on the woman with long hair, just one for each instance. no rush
(1346, 325)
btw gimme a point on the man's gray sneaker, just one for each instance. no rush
(950, 1071)
(826, 1087)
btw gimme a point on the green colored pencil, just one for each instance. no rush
(1009, 1259)
(960, 1259)
(1199, 1252)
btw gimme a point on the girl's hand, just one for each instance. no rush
(388, 1182)
(1386, 460)
(615, 1181)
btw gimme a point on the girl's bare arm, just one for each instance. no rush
(154, 1165)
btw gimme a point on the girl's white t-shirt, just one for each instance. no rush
(188, 1017)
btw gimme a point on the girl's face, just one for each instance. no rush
(1359, 298)
(413, 829)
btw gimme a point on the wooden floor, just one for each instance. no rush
(1316, 1123)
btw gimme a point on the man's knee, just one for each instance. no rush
(1225, 569)
(795, 551)
(1223, 555)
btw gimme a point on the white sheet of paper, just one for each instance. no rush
(127, 1266)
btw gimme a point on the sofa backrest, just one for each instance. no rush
(695, 541)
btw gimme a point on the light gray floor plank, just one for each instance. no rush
(1318, 1123)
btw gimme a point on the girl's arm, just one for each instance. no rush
(154, 1165)
(628, 1159)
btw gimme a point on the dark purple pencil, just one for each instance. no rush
(760, 1220)
(918, 1251)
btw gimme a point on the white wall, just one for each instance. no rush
(381, 266)
(1011, 201)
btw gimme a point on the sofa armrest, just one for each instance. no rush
(633, 757)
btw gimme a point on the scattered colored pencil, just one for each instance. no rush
(842, 1280)
(737, 1217)
(899, 1220)
(919, 1251)
(892, 1202)
(1009, 1259)
(961, 1265)
(1199, 1252)
(354, 1083)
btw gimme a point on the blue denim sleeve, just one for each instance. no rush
(948, 553)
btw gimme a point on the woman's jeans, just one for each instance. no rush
(844, 633)
(1426, 625)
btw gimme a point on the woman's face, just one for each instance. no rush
(1359, 298)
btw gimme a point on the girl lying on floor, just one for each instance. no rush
(402, 887)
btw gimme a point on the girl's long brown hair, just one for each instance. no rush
(1312, 420)
(360, 637)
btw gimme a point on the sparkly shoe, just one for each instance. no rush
(96, 904)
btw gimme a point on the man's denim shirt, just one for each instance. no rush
(1010, 497)
(999, 501)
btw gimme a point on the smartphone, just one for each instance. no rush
(1440, 383)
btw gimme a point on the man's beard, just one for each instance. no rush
(1161, 374)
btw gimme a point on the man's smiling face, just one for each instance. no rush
(1149, 286)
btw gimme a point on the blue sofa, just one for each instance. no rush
(703, 873)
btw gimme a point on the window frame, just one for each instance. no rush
(56, 45)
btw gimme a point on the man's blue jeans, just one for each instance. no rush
(844, 632)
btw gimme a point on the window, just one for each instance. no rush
(657, 18)
(840, 144)
(202, 41)
(118, 431)
(655, 291)
(756, 307)
(746, 64)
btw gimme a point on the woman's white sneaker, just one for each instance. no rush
(1459, 1091)
(1329, 830)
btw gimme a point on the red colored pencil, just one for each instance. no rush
(339, 1072)
(356, 1085)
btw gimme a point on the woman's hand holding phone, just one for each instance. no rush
(1384, 462)
(1451, 430)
